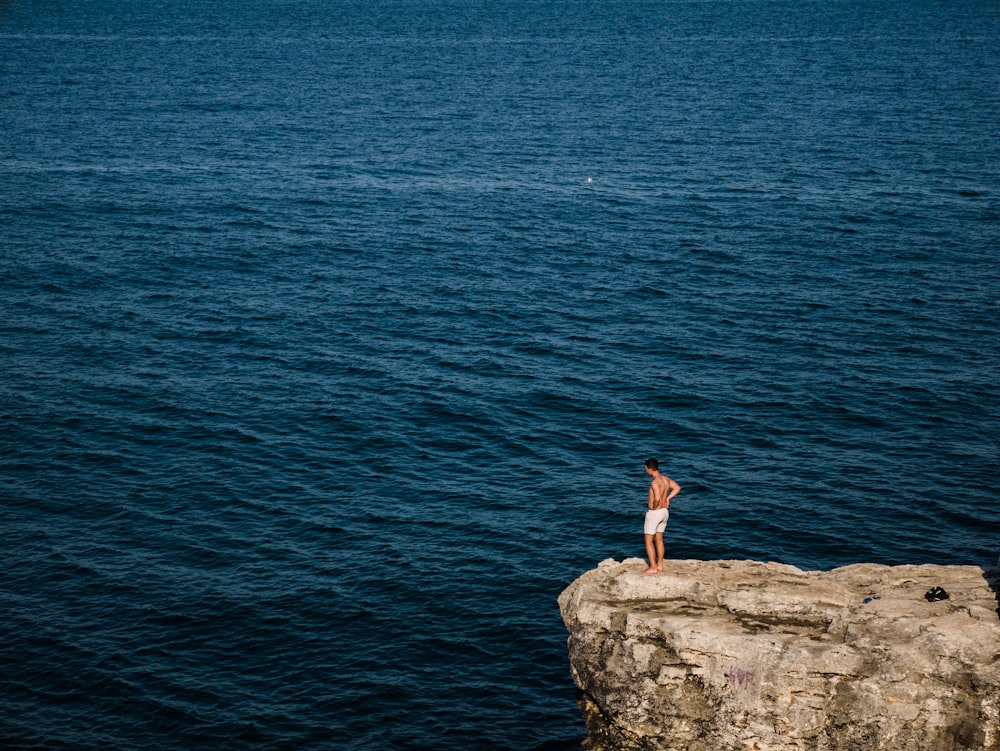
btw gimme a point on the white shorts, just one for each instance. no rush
(656, 521)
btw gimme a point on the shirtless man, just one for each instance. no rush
(661, 490)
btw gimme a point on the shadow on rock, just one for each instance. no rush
(992, 577)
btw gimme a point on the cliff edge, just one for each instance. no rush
(750, 656)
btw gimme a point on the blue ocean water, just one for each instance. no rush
(335, 334)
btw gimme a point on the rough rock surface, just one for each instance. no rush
(742, 655)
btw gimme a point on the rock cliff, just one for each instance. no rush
(749, 656)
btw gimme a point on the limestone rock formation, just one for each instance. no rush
(750, 656)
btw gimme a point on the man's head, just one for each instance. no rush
(652, 464)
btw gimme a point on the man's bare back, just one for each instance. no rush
(659, 491)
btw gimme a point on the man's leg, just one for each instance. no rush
(651, 554)
(659, 551)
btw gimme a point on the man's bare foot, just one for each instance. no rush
(651, 570)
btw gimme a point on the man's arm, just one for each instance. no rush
(673, 489)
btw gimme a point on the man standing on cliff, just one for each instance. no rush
(661, 490)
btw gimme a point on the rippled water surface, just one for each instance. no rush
(334, 336)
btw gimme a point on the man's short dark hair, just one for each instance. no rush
(652, 464)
